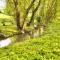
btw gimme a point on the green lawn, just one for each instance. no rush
(46, 47)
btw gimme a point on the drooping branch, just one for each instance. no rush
(33, 13)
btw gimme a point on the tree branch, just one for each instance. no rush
(33, 13)
(27, 11)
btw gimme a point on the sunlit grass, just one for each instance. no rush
(46, 47)
(5, 16)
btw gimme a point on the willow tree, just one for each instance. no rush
(20, 10)
(51, 11)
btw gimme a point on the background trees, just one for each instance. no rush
(30, 15)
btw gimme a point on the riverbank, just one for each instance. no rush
(46, 47)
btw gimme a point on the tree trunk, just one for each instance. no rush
(17, 14)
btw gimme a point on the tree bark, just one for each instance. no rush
(17, 14)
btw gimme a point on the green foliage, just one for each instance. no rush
(7, 24)
(46, 47)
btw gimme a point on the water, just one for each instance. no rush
(17, 38)
(5, 42)
(8, 41)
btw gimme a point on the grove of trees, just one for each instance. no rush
(31, 16)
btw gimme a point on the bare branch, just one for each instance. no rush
(27, 11)
(33, 13)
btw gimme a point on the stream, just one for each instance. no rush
(17, 38)
(5, 42)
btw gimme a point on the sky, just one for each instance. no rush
(2, 4)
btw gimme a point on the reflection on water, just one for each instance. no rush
(16, 38)
(21, 37)
(5, 42)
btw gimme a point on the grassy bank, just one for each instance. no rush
(46, 47)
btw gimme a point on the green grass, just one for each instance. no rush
(46, 47)
(5, 16)
(7, 24)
